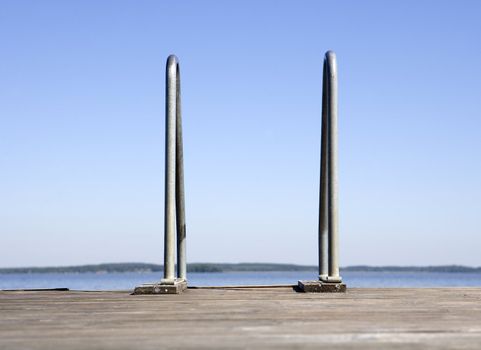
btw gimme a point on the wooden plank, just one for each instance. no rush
(431, 318)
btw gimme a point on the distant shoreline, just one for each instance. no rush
(225, 267)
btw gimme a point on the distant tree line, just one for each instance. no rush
(142, 267)
(221, 267)
(441, 268)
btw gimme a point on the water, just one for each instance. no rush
(127, 281)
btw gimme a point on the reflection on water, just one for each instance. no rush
(127, 281)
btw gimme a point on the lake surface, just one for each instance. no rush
(127, 281)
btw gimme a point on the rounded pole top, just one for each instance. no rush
(172, 63)
(330, 55)
(330, 60)
(172, 59)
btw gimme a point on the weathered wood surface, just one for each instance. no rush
(442, 318)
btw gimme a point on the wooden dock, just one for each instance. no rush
(272, 318)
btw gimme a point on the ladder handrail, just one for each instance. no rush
(328, 194)
(174, 210)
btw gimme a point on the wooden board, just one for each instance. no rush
(434, 318)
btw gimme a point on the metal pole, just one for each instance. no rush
(170, 145)
(332, 169)
(323, 203)
(179, 186)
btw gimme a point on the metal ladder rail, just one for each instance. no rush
(174, 210)
(328, 194)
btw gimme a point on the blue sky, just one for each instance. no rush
(82, 129)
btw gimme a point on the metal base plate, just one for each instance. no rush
(158, 288)
(321, 287)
